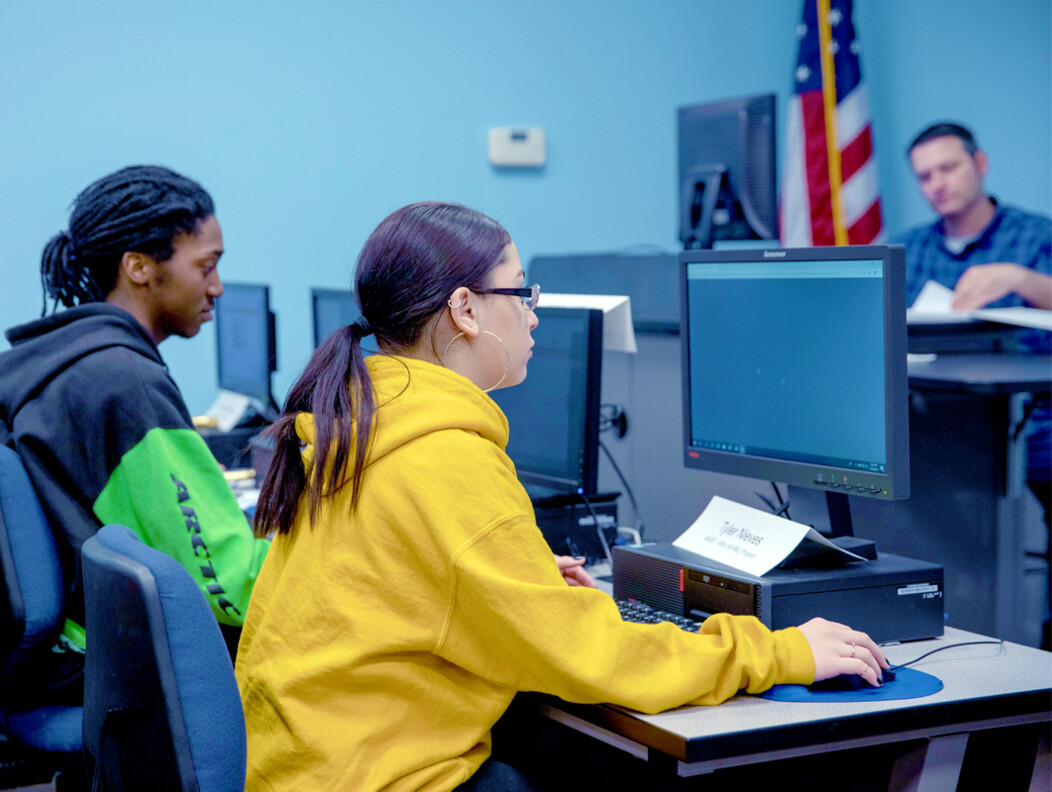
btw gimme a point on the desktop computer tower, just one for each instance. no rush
(891, 598)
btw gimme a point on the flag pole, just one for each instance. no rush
(825, 39)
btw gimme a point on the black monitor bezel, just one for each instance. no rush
(587, 479)
(891, 485)
(235, 385)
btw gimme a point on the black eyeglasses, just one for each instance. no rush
(528, 294)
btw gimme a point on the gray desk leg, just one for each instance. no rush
(1009, 541)
(932, 766)
(1001, 759)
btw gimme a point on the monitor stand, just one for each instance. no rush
(839, 514)
(829, 515)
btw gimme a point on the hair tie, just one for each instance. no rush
(362, 327)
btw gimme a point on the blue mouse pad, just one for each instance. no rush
(908, 683)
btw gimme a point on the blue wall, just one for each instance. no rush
(309, 124)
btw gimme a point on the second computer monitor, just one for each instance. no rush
(246, 343)
(553, 416)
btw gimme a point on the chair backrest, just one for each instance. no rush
(32, 586)
(161, 706)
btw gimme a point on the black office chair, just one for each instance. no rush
(41, 738)
(161, 706)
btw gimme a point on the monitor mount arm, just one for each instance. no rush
(701, 190)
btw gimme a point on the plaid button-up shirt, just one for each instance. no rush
(1014, 236)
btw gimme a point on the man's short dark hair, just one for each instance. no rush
(946, 129)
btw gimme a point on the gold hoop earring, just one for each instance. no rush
(507, 357)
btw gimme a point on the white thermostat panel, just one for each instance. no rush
(516, 147)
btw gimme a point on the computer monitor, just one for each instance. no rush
(650, 280)
(331, 309)
(727, 177)
(553, 416)
(246, 341)
(794, 367)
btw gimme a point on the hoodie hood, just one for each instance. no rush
(415, 398)
(44, 348)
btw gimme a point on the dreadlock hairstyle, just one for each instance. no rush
(141, 208)
(407, 270)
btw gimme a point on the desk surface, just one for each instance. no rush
(986, 372)
(987, 684)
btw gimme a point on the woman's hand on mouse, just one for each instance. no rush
(838, 649)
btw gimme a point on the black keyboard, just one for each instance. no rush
(636, 611)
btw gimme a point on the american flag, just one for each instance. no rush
(830, 194)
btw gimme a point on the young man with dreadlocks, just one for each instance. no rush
(88, 404)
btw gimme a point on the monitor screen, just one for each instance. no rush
(794, 366)
(727, 172)
(553, 416)
(332, 309)
(245, 340)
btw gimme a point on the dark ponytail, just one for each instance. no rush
(141, 208)
(62, 279)
(410, 265)
(335, 384)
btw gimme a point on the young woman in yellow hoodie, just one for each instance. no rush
(408, 594)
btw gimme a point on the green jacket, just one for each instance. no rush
(88, 404)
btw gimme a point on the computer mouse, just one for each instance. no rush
(849, 682)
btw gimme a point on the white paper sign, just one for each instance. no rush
(227, 409)
(748, 539)
(618, 333)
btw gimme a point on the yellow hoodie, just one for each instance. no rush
(381, 646)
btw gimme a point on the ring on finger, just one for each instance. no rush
(852, 648)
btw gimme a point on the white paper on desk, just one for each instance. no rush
(748, 539)
(618, 333)
(1023, 317)
(934, 305)
(227, 409)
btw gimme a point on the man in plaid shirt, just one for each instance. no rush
(989, 254)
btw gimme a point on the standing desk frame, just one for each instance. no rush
(968, 476)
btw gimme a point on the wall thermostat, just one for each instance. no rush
(516, 147)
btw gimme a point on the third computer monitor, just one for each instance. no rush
(727, 171)
(331, 309)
